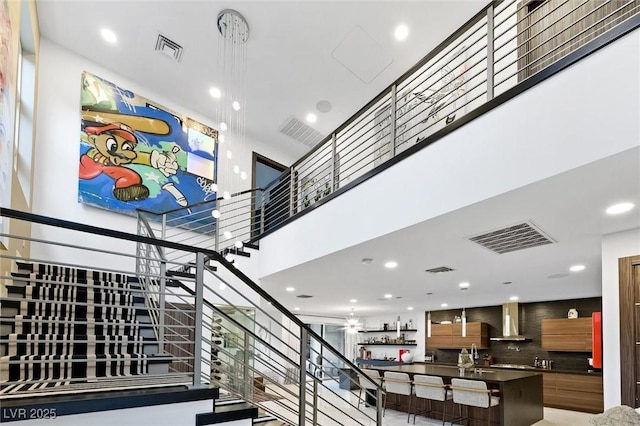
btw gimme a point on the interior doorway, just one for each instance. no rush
(263, 172)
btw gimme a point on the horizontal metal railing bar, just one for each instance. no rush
(95, 230)
(436, 62)
(481, 14)
(439, 80)
(243, 328)
(584, 30)
(524, 55)
(98, 379)
(565, 42)
(201, 203)
(246, 330)
(344, 139)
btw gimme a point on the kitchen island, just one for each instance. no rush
(520, 391)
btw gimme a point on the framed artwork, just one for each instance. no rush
(135, 153)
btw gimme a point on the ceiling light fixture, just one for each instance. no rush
(353, 300)
(577, 268)
(290, 289)
(296, 309)
(312, 118)
(388, 296)
(401, 32)
(464, 285)
(513, 298)
(391, 264)
(233, 33)
(410, 308)
(444, 305)
(620, 208)
(108, 35)
(215, 93)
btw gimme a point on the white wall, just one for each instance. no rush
(614, 246)
(55, 183)
(559, 125)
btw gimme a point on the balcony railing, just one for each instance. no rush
(505, 49)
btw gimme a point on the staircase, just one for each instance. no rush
(173, 323)
(67, 330)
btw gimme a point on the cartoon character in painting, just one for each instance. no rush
(113, 147)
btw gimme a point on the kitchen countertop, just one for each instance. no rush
(522, 367)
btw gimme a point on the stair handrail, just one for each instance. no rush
(214, 255)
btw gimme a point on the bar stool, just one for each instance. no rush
(431, 388)
(473, 393)
(365, 384)
(399, 384)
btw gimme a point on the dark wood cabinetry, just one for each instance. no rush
(578, 392)
(564, 334)
(449, 336)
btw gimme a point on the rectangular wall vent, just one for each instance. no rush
(299, 131)
(439, 269)
(169, 47)
(515, 237)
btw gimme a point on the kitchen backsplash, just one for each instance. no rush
(531, 315)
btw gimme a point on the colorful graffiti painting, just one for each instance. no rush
(136, 154)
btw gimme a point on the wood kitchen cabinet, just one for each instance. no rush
(568, 335)
(579, 392)
(449, 336)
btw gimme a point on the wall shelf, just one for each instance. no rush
(387, 344)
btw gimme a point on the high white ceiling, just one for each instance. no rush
(290, 68)
(570, 208)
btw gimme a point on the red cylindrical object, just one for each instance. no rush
(400, 352)
(596, 340)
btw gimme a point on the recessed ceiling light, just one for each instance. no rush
(353, 300)
(577, 268)
(108, 35)
(513, 298)
(215, 92)
(444, 305)
(388, 296)
(401, 32)
(296, 309)
(290, 289)
(464, 285)
(410, 308)
(312, 118)
(620, 208)
(391, 264)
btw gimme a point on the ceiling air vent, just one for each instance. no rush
(299, 131)
(515, 237)
(304, 296)
(439, 269)
(169, 47)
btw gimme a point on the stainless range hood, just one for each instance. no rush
(510, 320)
